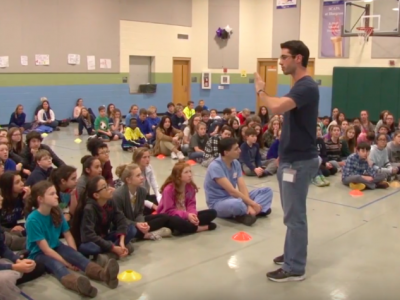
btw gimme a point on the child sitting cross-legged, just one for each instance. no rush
(198, 143)
(133, 137)
(15, 270)
(393, 148)
(380, 157)
(42, 171)
(250, 157)
(179, 201)
(64, 179)
(326, 169)
(12, 217)
(359, 172)
(99, 228)
(102, 126)
(44, 226)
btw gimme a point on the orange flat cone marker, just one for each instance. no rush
(129, 276)
(241, 237)
(191, 162)
(356, 193)
(160, 156)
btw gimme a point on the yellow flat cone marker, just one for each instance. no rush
(395, 184)
(129, 276)
(78, 141)
(44, 134)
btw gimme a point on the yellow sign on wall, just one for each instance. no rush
(243, 73)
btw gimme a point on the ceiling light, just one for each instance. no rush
(396, 9)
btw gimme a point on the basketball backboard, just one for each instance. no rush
(383, 15)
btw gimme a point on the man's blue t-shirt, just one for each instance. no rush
(298, 137)
(40, 227)
(218, 169)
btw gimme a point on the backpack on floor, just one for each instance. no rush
(64, 123)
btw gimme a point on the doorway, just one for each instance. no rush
(310, 69)
(268, 70)
(181, 80)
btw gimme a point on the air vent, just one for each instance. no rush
(183, 36)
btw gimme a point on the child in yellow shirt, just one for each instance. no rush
(133, 137)
(188, 111)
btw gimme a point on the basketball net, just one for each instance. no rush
(364, 33)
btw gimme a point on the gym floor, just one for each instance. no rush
(350, 241)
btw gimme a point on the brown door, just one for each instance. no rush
(181, 81)
(310, 69)
(268, 70)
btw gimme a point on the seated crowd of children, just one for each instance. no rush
(99, 217)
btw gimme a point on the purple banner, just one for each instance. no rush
(332, 43)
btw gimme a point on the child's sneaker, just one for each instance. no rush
(382, 185)
(173, 155)
(317, 181)
(357, 186)
(180, 155)
(324, 180)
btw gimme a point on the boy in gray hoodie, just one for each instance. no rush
(393, 149)
(380, 157)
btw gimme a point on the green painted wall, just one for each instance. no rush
(326, 80)
(41, 79)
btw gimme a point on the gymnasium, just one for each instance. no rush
(196, 59)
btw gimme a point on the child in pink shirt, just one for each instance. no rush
(179, 200)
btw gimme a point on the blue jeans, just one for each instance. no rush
(57, 268)
(293, 198)
(52, 124)
(196, 155)
(234, 207)
(91, 248)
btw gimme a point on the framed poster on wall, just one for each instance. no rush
(281, 4)
(332, 43)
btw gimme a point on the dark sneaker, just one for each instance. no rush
(279, 260)
(282, 276)
(382, 185)
(212, 226)
(246, 219)
(264, 214)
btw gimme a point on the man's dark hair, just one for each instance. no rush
(198, 109)
(363, 146)
(170, 104)
(297, 48)
(226, 145)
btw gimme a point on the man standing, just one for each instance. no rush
(298, 157)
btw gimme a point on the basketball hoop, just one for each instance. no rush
(364, 33)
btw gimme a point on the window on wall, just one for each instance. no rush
(140, 71)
